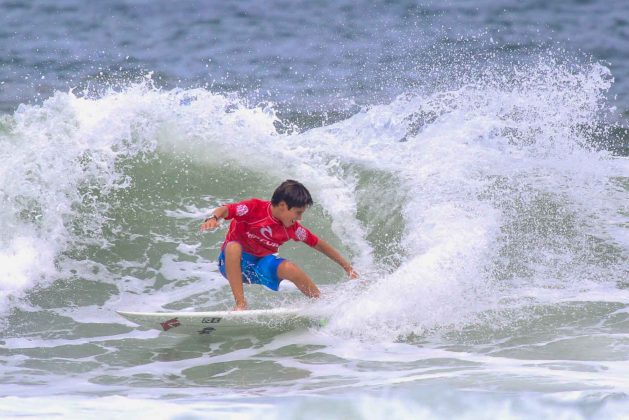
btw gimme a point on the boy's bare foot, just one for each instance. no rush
(240, 306)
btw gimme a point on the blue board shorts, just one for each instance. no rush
(256, 270)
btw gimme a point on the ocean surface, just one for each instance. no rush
(470, 158)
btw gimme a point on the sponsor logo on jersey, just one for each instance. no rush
(267, 233)
(242, 209)
(301, 234)
(262, 240)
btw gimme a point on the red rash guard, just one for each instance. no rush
(259, 233)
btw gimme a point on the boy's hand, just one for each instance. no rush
(351, 273)
(209, 224)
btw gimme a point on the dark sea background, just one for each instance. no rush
(469, 157)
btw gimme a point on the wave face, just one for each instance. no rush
(487, 219)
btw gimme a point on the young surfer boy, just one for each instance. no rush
(258, 228)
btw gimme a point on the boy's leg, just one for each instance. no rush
(289, 271)
(233, 258)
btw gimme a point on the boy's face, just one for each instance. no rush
(289, 217)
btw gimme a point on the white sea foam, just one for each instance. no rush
(477, 170)
(437, 404)
(493, 155)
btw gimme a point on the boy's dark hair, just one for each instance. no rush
(293, 193)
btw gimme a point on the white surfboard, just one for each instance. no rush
(216, 322)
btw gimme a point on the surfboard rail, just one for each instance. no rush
(213, 322)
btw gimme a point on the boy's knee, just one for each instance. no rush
(232, 247)
(286, 266)
(288, 269)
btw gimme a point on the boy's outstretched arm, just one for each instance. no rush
(327, 249)
(212, 221)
